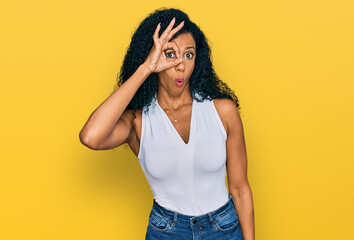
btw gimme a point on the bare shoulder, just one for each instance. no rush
(227, 111)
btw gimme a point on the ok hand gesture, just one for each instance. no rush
(156, 60)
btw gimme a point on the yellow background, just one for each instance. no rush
(289, 62)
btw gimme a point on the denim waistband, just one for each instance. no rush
(200, 220)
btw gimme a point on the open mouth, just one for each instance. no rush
(179, 82)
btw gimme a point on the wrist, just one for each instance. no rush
(145, 69)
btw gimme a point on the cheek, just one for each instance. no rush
(165, 76)
(165, 73)
(191, 69)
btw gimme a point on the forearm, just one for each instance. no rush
(103, 119)
(244, 208)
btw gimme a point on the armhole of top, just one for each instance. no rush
(221, 125)
(142, 132)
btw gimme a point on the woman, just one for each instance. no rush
(183, 124)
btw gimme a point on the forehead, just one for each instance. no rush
(184, 39)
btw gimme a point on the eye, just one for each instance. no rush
(189, 55)
(170, 54)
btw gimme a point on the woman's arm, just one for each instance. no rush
(237, 168)
(108, 115)
(109, 125)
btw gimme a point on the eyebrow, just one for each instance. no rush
(185, 48)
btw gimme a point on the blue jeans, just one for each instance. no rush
(220, 224)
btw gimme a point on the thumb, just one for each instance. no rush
(174, 63)
(177, 61)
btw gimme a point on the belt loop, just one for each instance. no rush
(174, 219)
(211, 217)
(211, 220)
(175, 216)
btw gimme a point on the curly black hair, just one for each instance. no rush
(203, 80)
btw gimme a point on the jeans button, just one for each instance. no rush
(195, 221)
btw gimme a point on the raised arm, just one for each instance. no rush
(112, 114)
(110, 125)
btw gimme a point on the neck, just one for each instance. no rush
(174, 101)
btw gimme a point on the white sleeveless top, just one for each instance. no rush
(187, 178)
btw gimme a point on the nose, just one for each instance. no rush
(181, 66)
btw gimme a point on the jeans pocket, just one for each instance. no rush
(158, 222)
(228, 221)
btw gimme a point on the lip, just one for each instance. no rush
(179, 82)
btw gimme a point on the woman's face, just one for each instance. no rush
(177, 78)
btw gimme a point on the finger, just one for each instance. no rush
(156, 33)
(171, 46)
(168, 29)
(175, 48)
(176, 29)
(178, 61)
(175, 62)
(163, 55)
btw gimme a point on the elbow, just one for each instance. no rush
(241, 190)
(86, 140)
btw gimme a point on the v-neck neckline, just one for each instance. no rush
(175, 130)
